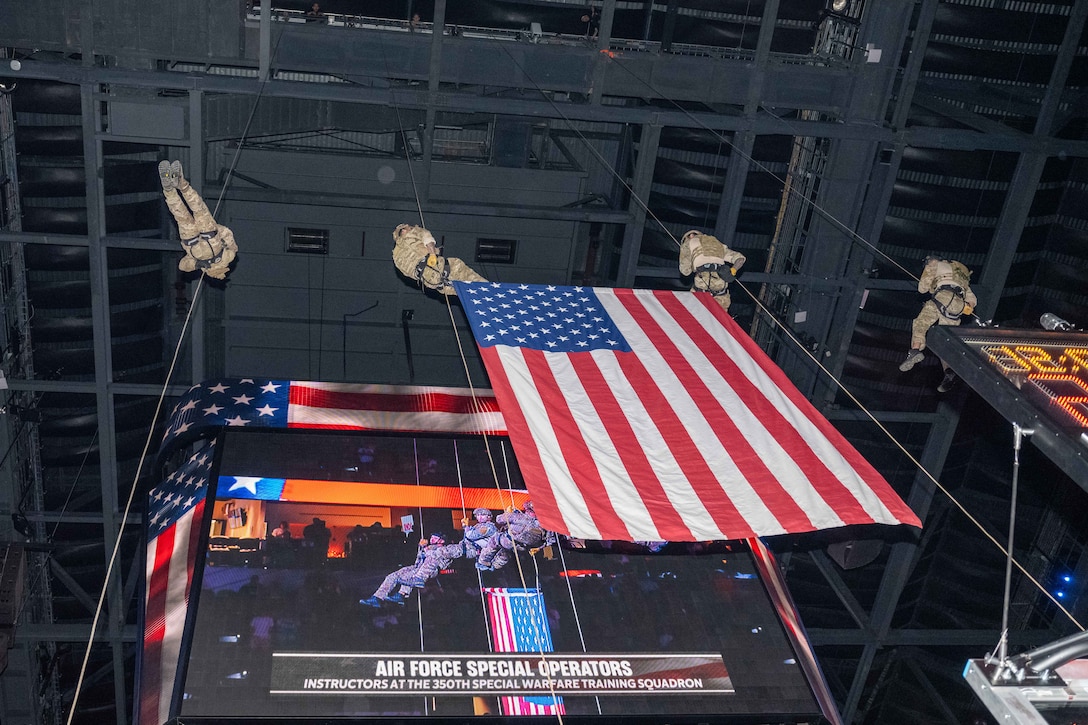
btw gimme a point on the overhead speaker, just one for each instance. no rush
(854, 554)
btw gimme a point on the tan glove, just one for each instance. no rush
(464, 522)
(968, 309)
(733, 271)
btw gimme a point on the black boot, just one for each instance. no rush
(947, 382)
(913, 358)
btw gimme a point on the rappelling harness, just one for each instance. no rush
(714, 268)
(952, 306)
(430, 262)
(203, 243)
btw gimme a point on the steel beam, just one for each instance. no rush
(112, 614)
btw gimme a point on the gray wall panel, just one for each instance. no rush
(54, 24)
(365, 53)
(451, 182)
(162, 28)
(374, 354)
(305, 298)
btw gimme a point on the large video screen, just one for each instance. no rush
(371, 576)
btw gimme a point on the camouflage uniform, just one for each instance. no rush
(208, 246)
(519, 528)
(477, 535)
(431, 559)
(705, 257)
(948, 284)
(415, 253)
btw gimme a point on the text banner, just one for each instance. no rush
(498, 674)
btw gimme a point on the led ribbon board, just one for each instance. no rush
(1053, 373)
(1035, 378)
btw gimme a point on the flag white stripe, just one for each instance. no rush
(415, 391)
(299, 415)
(748, 502)
(567, 496)
(824, 449)
(621, 490)
(756, 433)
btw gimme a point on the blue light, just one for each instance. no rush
(1059, 594)
(1067, 578)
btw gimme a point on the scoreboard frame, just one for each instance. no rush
(1036, 379)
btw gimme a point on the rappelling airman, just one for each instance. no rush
(711, 264)
(416, 255)
(209, 247)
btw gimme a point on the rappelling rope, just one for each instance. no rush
(841, 226)
(403, 136)
(422, 534)
(792, 338)
(910, 457)
(419, 208)
(472, 389)
(466, 543)
(128, 508)
(495, 476)
(574, 606)
(155, 416)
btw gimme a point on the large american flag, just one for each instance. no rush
(174, 519)
(519, 623)
(650, 415)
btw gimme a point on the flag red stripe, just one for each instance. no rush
(747, 459)
(196, 522)
(528, 457)
(300, 394)
(155, 626)
(864, 469)
(669, 523)
(576, 453)
(349, 426)
(686, 453)
(826, 484)
(831, 489)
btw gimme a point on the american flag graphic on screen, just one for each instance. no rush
(175, 513)
(263, 403)
(519, 623)
(650, 415)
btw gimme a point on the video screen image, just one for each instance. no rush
(368, 576)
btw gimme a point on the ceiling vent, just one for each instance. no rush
(307, 241)
(498, 251)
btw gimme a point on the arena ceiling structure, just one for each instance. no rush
(836, 143)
